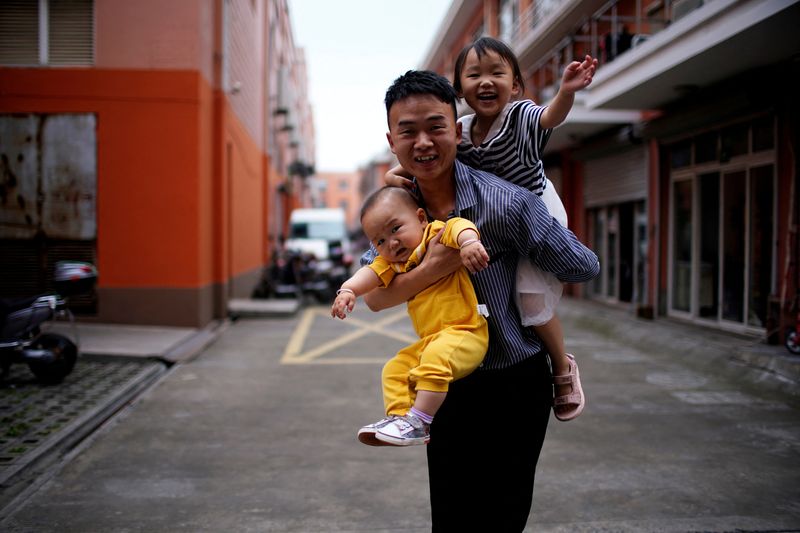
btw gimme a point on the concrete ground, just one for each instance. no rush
(685, 430)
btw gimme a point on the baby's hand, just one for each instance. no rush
(343, 304)
(474, 256)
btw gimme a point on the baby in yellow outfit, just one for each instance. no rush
(446, 315)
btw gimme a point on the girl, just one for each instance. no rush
(506, 136)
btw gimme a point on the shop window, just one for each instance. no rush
(733, 206)
(763, 134)
(681, 155)
(641, 254)
(682, 245)
(619, 238)
(708, 304)
(722, 249)
(734, 141)
(706, 147)
(611, 256)
(760, 252)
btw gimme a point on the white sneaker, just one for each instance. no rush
(406, 430)
(366, 435)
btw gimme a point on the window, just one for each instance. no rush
(507, 19)
(619, 238)
(47, 32)
(722, 249)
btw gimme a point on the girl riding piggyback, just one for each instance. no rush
(506, 136)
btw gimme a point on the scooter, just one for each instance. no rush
(50, 356)
(297, 274)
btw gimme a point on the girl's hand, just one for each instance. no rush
(578, 75)
(344, 303)
(474, 256)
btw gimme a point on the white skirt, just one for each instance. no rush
(538, 292)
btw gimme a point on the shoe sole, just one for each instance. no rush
(369, 438)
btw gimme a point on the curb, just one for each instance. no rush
(190, 348)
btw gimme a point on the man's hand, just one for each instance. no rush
(578, 75)
(440, 259)
(398, 177)
(474, 256)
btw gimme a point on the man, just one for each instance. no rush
(486, 438)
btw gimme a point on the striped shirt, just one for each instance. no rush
(513, 146)
(513, 222)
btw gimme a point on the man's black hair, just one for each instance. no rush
(401, 193)
(421, 82)
(481, 47)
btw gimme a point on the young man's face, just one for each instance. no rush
(424, 136)
(394, 229)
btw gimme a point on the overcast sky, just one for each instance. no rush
(354, 49)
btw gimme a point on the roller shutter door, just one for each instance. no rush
(616, 178)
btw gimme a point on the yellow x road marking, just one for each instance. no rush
(293, 354)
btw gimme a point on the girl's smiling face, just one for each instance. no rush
(488, 83)
(394, 228)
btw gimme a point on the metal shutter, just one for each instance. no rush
(71, 33)
(616, 178)
(19, 32)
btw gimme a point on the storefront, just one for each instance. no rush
(615, 199)
(722, 223)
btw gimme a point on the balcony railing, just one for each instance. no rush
(533, 16)
(606, 34)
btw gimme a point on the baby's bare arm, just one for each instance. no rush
(362, 282)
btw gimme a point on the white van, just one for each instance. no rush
(320, 231)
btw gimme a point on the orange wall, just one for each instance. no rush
(247, 238)
(157, 201)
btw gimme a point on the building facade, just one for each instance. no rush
(341, 189)
(678, 165)
(166, 142)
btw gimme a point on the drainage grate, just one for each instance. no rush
(35, 418)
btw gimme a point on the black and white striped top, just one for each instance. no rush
(512, 148)
(513, 222)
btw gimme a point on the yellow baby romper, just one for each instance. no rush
(453, 335)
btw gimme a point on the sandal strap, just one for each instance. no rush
(567, 379)
(572, 398)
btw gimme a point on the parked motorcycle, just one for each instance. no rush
(298, 274)
(50, 356)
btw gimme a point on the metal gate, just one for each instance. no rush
(48, 191)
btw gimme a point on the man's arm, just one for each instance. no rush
(552, 247)
(439, 261)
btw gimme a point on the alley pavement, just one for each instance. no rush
(685, 429)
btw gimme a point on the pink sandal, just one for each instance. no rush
(574, 398)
